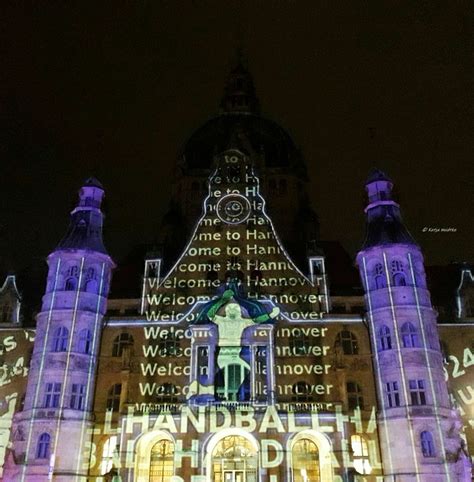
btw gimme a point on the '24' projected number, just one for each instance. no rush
(467, 361)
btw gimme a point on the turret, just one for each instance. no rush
(58, 404)
(419, 430)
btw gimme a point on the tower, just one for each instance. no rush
(50, 433)
(419, 430)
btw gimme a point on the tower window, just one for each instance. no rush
(393, 394)
(348, 341)
(379, 277)
(72, 275)
(354, 396)
(409, 336)
(121, 341)
(60, 338)
(42, 449)
(427, 444)
(113, 397)
(398, 276)
(84, 344)
(417, 392)
(385, 338)
(52, 393)
(78, 396)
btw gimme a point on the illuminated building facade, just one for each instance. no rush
(237, 363)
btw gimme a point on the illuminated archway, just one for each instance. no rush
(309, 457)
(232, 456)
(154, 457)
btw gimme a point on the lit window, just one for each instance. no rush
(109, 455)
(398, 275)
(236, 453)
(385, 338)
(348, 341)
(409, 336)
(52, 393)
(85, 342)
(305, 461)
(427, 444)
(120, 342)
(354, 396)
(162, 461)
(393, 394)
(42, 450)
(60, 338)
(113, 397)
(78, 396)
(360, 453)
(417, 392)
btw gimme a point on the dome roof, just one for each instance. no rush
(248, 132)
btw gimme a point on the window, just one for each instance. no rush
(60, 338)
(393, 394)
(305, 461)
(167, 393)
(120, 342)
(348, 341)
(299, 344)
(301, 392)
(427, 444)
(113, 397)
(51, 395)
(162, 461)
(360, 453)
(91, 281)
(232, 383)
(417, 392)
(354, 396)
(398, 276)
(409, 336)
(234, 459)
(170, 346)
(109, 455)
(6, 313)
(78, 396)
(379, 277)
(84, 344)
(42, 450)
(385, 338)
(202, 362)
(72, 275)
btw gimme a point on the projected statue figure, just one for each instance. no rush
(225, 364)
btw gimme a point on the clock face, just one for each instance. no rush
(233, 209)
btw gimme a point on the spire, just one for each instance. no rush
(239, 91)
(384, 220)
(85, 227)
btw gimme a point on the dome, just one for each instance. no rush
(248, 132)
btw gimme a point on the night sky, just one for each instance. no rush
(113, 89)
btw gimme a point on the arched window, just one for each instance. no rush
(398, 276)
(427, 444)
(305, 461)
(72, 274)
(84, 344)
(109, 455)
(162, 461)
(60, 338)
(360, 453)
(120, 342)
(385, 338)
(42, 449)
(409, 336)
(354, 396)
(90, 283)
(301, 392)
(379, 277)
(348, 341)
(167, 393)
(234, 459)
(113, 397)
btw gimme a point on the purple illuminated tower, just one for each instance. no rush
(419, 430)
(51, 432)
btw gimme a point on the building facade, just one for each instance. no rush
(242, 356)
